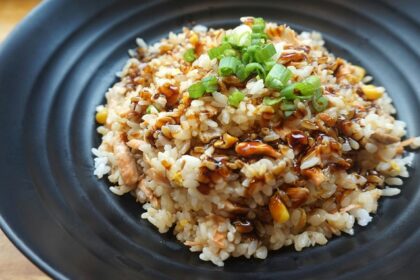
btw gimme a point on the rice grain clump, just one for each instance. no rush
(247, 140)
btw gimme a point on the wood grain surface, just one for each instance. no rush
(13, 264)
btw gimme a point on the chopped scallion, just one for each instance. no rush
(189, 55)
(278, 76)
(289, 92)
(235, 98)
(320, 104)
(210, 84)
(265, 53)
(230, 52)
(309, 85)
(241, 73)
(196, 90)
(150, 109)
(288, 113)
(272, 101)
(259, 25)
(268, 65)
(255, 68)
(228, 65)
(287, 106)
(240, 36)
(217, 52)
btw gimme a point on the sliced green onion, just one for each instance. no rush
(304, 97)
(230, 52)
(289, 92)
(265, 53)
(241, 73)
(278, 76)
(255, 68)
(228, 65)
(268, 65)
(240, 36)
(235, 98)
(150, 109)
(287, 106)
(318, 93)
(210, 84)
(259, 36)
(288, 113)
(246, 57)
(275, 84)
(272, 101)
(320, 104)
(189, 55)
(259, 25)
(196, 90)
(217, 52)
(309, 85)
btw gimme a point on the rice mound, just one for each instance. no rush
(181, 159)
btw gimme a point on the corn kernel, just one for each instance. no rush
(177, 178)
(278, 210)
(395, 166)
(359, 72)
(102, 115)
(183, 222)
(194, 39)
(371, 92)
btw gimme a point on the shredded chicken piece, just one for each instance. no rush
(218, 239)
(126, 164)
(149, 194)
(384, 138)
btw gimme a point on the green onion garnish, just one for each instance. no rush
(241, 73)
(150, 109)
(240, 36)
(217, 52)
(320, 104)
(309, 85)
(246, 57)
(196, 90)
(287, 106)
(189, 55)
(230, 52)
(268, 65)
(255, 68)
(210, 84)
(272, 101)
(288, 113)
(265, 53)
(259, 25)
(278, 76)
(235, 98)
(228, 65)
(289, 92)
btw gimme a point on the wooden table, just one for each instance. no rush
(14, 265)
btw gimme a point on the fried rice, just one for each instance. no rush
(242, 180)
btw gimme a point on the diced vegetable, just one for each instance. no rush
(240, 36)
(278, 77)
(219, 51)
(210, 84)
(235, 98)
(272, 101)
(371, 92)
(196, 90)
(309, 85)
(102, 115)
(189, 55)
(228, 65)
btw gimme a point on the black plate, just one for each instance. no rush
(55, 69)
